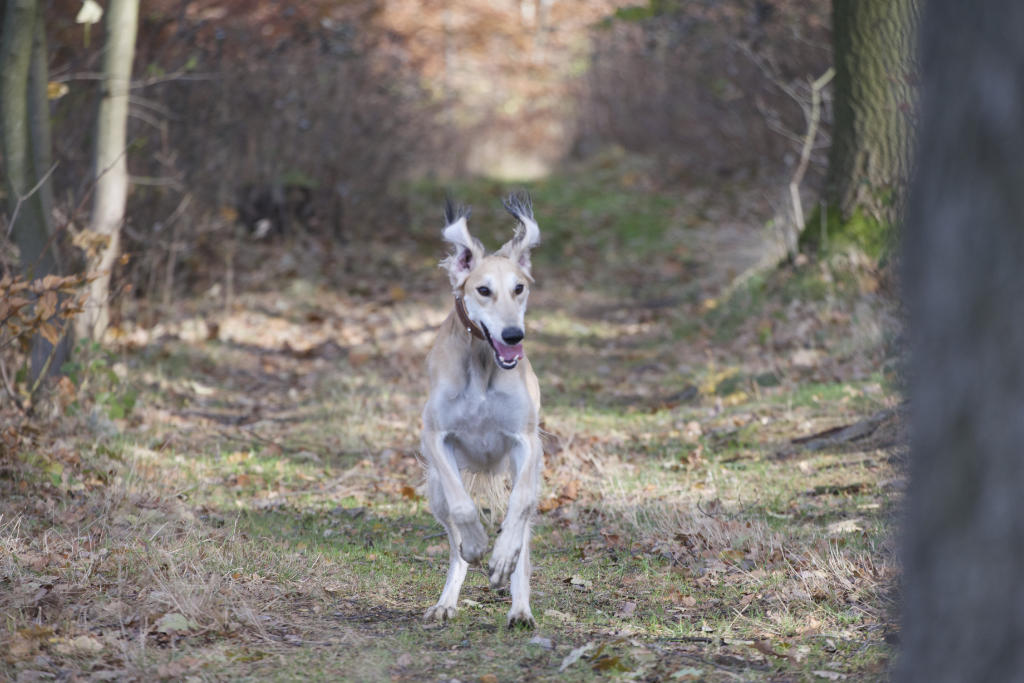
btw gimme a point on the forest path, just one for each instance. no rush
(259, 513)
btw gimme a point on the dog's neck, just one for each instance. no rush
(467, 324)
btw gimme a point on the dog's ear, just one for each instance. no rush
(527, 234)
(467, 251)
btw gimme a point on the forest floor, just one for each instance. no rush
(235, 493)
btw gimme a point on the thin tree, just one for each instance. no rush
(963, 251)
(873, 51)
(25, 139)
(110, 165)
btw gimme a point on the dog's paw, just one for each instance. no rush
(502, 565)
(521, 618)
(439, 612)
(474, 541)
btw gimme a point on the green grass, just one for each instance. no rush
(271, 495)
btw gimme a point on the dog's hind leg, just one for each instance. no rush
(520, 614)
(447, 604)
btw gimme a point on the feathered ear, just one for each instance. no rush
(467, 251)
(527, 234)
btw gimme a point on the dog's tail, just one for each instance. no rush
(490, 491)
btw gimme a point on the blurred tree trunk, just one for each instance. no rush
(873, 51)
(30, 230)
(25, 133)
(110, 166)
(963, 589)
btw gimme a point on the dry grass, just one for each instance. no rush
(259, 512)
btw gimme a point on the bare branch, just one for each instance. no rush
(23, 198)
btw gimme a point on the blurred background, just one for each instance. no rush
(336, 123)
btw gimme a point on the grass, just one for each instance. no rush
(257, 512)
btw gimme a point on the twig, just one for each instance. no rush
(813, 119)
(176, 76)
(46, 368)
(8, 387)
(21, 199)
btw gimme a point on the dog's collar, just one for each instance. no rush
(471, 327)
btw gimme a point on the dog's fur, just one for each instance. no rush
(483, 409)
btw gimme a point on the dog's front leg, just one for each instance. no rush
(522, 503)
(462, 511)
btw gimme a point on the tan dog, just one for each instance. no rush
(482, 412)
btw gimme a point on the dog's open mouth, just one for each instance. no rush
(506, 356)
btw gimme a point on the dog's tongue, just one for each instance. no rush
(508, 353)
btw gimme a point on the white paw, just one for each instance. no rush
(502, 564)
(474, 540)
(439, 612)
(521, 618)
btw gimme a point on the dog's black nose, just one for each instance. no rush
(512, 335)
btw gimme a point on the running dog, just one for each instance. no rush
(482, 412)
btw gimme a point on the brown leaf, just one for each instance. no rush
(410, 493)
(548, 504)
(16, 302)
(765, 648)
(49, 332)
(47, 305)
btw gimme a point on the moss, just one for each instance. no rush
(831, 230)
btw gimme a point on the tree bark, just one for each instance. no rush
(873, 50)
(110, 166)
(25, 125)
(15, 66)
(963, 592)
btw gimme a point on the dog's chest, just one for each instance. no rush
(484, 421)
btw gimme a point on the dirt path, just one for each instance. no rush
(259, 513)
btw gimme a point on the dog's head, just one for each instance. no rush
(495, 287)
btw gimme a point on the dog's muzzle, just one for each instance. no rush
(507, 350)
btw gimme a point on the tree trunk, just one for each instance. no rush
(110, 166)
(25, 125)
(873, 50)
(29, 230)
(963, 589)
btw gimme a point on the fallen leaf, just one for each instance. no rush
(81, 645)
(688, 673)
(410, 493)
(488, 678)
(174, 622)
(178, 668)
(626, 610)
(574, 656)
(765, 648)
(561, 616)
(579, 583)
(435, 550)
(844, 526)
(543, 642)
(829, 675)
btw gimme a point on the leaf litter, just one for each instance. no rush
(268, 479)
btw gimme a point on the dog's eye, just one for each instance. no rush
(483, 291)
(519, 289)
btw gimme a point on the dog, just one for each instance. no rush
(482, 412)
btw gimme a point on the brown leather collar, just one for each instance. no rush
(471, 327)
